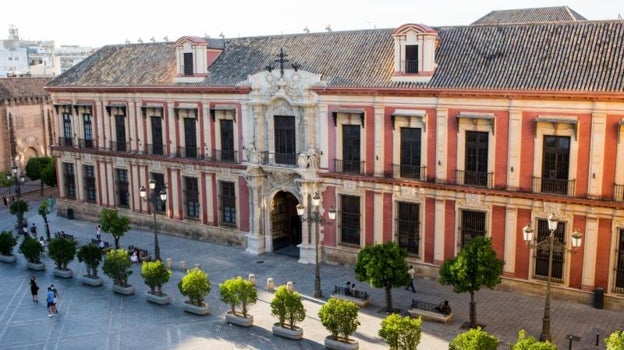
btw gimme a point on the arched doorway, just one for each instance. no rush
(285, 223)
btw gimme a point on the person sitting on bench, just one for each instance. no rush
(347, 290)
(444, 308)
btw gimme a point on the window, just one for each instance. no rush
(191, 197)
(121, 184)
(160, 185)
(120, 132)
(190, 137)
(87, 121)
(67, 130)
(157, 135)
(70, 180)
(188, 63)
(410, 153)
(89, 183)
(619, 264)
(228, 204)
(285, 140)
(350, 219)
(476, 161)
(351, 149)
(411, 59)
(226, 128)
(408, 226)
(555, 164)
(541, 256)
(472, 225)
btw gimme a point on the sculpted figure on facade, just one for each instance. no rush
(314, 158)
(252, 153)
(302, 161)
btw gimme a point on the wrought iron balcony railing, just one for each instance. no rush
(474, 178)
(350, 166)
(404, 171)
(555, 186)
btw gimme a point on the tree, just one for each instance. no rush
(18, 208)
(287, 305)
(44, 210)
(401, 332)
(155, 274)
(7, 243)
(474, 339)
(35, 167)
(530, 343)
(117, 266)
(195, 285)
(383, 266)
(91, 255)
(62, 251)
(340, 318)
(238, 292)
(48, 173)
(615, 341)
(115, 224)
(31, 249)
(476, 265)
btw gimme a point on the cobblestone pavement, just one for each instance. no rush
(97, 318)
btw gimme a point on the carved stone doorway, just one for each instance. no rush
(285, 223)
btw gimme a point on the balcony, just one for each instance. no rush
(87, 143)
(411, 66)
(404, 171)
(554, 186)
(350, 166)
(119, 146)
(229, 156)
(474, 178)
(65, 142)
(156, 149)
(278, 159)
(618, 193)
(188, 153)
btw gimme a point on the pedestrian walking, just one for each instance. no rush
(5, 200)
(55, 299)
(34, 288)
(42, 242)
(412, 274)
(50, 302)
(98, 232)
(33, 230)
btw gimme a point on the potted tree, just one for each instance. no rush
(156, 274)
(115, 224)
(7, 243)
(32, 250)
(117, 266)
(18, 208)
(340, 318)
(288, 308)
(195, 285)
(474, 338)
(238, 292)
(401, 332)
(62, 251)
(91, 255)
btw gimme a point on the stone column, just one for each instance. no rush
(255, 240)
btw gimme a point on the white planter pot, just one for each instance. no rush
(294, 334)
(9, 259)
(91, 281)
(333, 343)
(35, 266)
(128, 290)
(239, 320)
(65, 273)
(196, 310)
(158, 299)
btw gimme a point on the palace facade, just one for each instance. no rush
(425, 136)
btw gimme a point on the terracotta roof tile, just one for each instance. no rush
(23, 87)
(531, 15)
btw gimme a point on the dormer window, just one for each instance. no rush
(414, 53)
(192, 59)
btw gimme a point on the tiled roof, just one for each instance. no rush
(568, 56)
(23, 87)
(532, 15)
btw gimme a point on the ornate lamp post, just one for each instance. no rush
(550, 244)
(153, 199)
(18, 182)
(316, 217)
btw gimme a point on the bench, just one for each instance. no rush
(428, 311)
(66, 236)
(361, 299)
(106, 247)
(143, 254)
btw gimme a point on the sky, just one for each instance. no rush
(99, 23)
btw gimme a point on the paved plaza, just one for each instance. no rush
(97, 318)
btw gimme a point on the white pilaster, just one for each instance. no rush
(510, 240)
(441, 146)
(514, 138)
(378, 213)
(438, 252)
(597, 149)
(590, 249)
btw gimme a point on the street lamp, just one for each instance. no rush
(154, 198)
(550, 244)
(316, 217)
(18, 182)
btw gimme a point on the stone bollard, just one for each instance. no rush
(183, 265)
(252, 279)
(196, 266)
(270, 284)
(290, 286)
(169, 263)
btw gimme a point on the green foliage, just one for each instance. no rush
(31, 249)
(287, 306)
(340, 318)
(195, 285)
(7, 243)
(62, 251)
(18, 208)
(476, 265)
(115, 224)
(48, 173)
(401, 332)
(44, 210)
(155, 274)
(530, 343)
(91, 255)
(4, 181)
(383, 266)
(615, 341)
(35, 167)
(117, 266)
(238, 292)
(474, 339)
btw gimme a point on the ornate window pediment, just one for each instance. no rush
(414, 52)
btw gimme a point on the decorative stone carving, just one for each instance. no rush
(552, 208)
(314, 158)
(252, 154)
(473, 200)
(303, 160)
